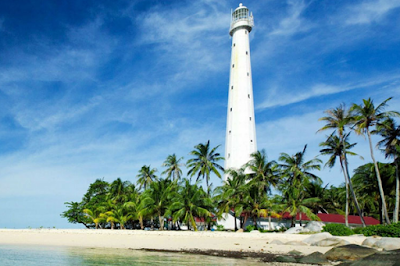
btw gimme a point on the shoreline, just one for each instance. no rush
(207, 243)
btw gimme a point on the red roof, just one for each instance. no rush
(335, 218)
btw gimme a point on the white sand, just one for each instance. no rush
(162, 240)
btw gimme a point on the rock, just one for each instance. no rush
(317, 237)
(296, 243)
(330, 242)
(370, 241)
(294, 230)
(314, 226)
(240, 230)
(388, 243)
(276, 242)
(294, 252)
(255, 232)
(380, 258)
(349, 252)
(315, 258)
(285, 259)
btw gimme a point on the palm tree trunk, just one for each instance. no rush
(269, 223)
(396, 206)
(234, 217)
(161, 220)
(346, 215)
(352, 191)
(378, 176)
(300, 218)
(151, 223)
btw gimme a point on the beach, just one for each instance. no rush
(163, 240)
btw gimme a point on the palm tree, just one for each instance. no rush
(338, 148)
(146, 176)
(96, 216)
(338, 119)
(173, 167)
(296, 170)
(391, 146)
(365, 184)
(190, 202)
(295, 203)
(119, 190)
(157, 198)
(232, 193)
(366, 116)
(263, 173)
(205, 162)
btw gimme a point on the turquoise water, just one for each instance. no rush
(61, 256)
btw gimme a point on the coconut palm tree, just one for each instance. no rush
(338, 119)
(204, 163)
(231, 194)
(190, 202)
(338, 147)
(295, 203)
(157, 198)
(119, 190)
(390, 144)
(365, 184)
(366, 116)
(96, 216)
(263, 174)
(146, 176)
(173, 167)
(296, 170)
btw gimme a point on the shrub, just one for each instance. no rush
(357, 230)
(220, 227)
(250, 228)
(337, 230)
(392, 230)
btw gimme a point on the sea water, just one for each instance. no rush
(63, 256)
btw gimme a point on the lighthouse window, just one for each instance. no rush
(248, 95)
(247, 52)
(230, 131)
(251, 140)
(229, 155)
(231, 109)
(248, 74)
(234, 45)
(231, 87)
(250, 118)
(245, 32)
(233, 65)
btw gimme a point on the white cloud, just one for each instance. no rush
(293, 23)
(370, 11)
(281, 97)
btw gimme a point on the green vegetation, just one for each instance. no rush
(392, 230)
(337, 230)
(172, 199)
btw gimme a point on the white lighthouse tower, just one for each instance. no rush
(240, 141)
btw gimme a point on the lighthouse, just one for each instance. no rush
(240, 141)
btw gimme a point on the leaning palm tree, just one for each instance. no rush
(338, 119)
(366, 116)
(338, 148)
(390, 144)
(264, 173)
(146, 176)
(205, 162)
(173, 167)
(96, 216)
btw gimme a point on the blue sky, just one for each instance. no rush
(97, 89)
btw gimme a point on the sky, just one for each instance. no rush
(97, 89)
